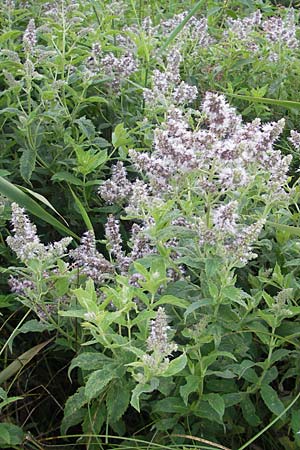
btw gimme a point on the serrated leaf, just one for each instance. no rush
(86, 126)
(192, 384)
(89, 361)
(94, 420)
(271, 399)
(72, 420)
(99, 380)
(216, 402)
(35, 326)
(75, 402)
(142, 389)
(27, 163)
(233, 398)
(175, 366)
(172, 300)
(117, 401)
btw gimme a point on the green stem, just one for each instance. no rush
(270, 424)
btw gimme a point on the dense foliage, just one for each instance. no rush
(149, 224)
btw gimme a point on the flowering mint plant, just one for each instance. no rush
(157, 311)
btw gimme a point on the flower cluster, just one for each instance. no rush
(117, 188)
(117, 69)
(26, 243)
(275, 30)
(196, 29)
(167, 85)
(159, 347)
(29, 37)
(294, 138)
(282, 31)
(214, 161)
(90, 262)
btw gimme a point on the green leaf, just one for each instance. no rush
(287, 228)
(99, 380)
(268, 101)
(9, 35)
(175, 366)
(216, 402)
(27, 163)
(10, 435)
(206, 411)
(172, 300)
(89, 361)
(192, 384)
(95, 99)
(212, 266)
(117, 400)
(21, 361)
(82, 210)
(15, 194)
(43, 199)
(213, 356)
(169, 405)
(8, 401)
(271, 399)
(94, 420)
(75, 402)
(4, 434)
(120, 136)
(179, 27)
(142, 389)
(67, 177)
(249, 412)
(86, 126)
(196, 305)
(35, 326)
(279, 354)
(72, 420)
(87, 297)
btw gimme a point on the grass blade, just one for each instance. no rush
(270, 424)
(82, 210)
(14, 194)
(179, 27)
(21, 361)
(269, 101)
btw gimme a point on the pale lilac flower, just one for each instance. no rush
(222, 118)
(117, 188)
(281, 30)
(29, 37)
(158, 341)
(295, 139)
(20, 287)
(225, 217)
(90, 262)
(25, 241)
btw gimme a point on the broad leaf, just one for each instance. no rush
(99, 380)
(271, 399)
(175, 366)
